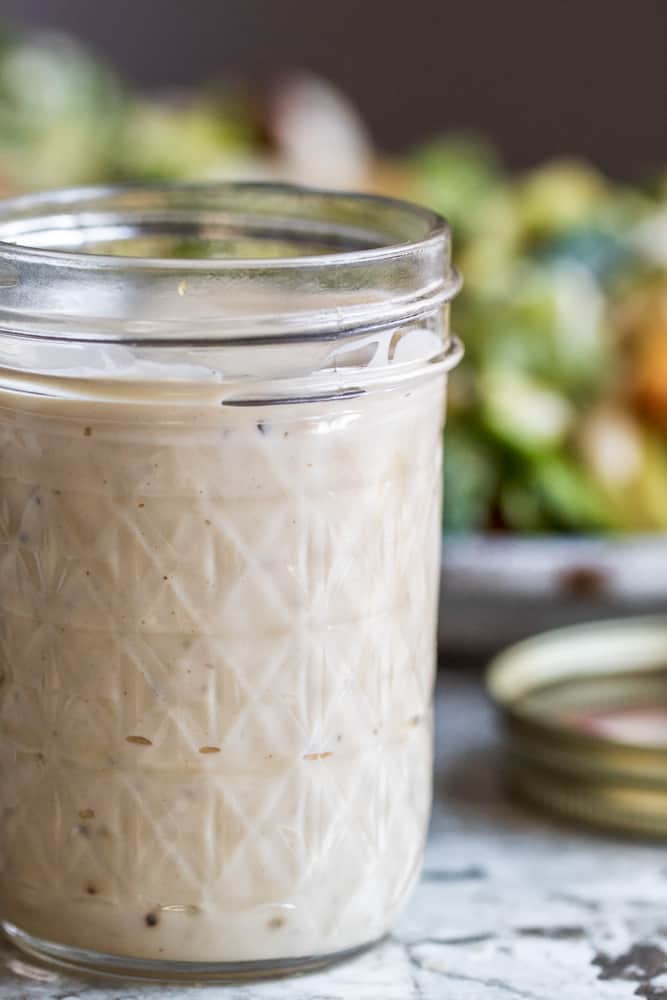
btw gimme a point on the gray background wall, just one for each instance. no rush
(541, 76)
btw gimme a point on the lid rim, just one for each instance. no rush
(588, 774)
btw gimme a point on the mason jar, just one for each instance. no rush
(221, 413)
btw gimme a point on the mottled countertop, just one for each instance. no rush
(511, 906)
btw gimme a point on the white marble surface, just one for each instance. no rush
(512, 905)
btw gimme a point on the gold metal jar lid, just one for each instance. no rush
(585, 709)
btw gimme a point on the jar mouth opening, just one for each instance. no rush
(224, 262)
(213, 227)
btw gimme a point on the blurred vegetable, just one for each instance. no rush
(569, 497)
(522, 413)
(471, 479)
(629, 465)
(644, 324)
(564, 318)
(557, 197)
(179, 136)
(455, 176)
(59, 112)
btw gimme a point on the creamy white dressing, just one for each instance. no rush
(217, 651)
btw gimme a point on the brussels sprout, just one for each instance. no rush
(570, 499)
(553, 493)
(471, 479)
(454, 176)
(184, 137)
(526, 415)
(601, 253)
(547, 322)
(577, 337)
(628, 464)
(521, 507)
(59, 112)
(558, 196)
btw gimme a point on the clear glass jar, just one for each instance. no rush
(220, 423)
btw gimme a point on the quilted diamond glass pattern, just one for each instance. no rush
(216, 644)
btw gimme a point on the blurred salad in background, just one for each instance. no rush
(558, 416)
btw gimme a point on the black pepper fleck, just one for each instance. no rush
(275, 923)
(87, 431)
(151, 919)
(91, 889)
(262, 427)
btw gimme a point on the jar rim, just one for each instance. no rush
(371, 261)
(20, 207)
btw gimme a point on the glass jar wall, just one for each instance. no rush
(220, 426)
